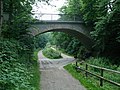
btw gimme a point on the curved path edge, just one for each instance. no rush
(55, 77)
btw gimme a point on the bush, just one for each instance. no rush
(14, 75)
(52, 54)
(102, 62)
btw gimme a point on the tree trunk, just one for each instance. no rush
(1, 15)
(10, 11)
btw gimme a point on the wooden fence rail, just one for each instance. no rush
(101, 76)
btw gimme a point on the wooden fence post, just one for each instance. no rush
(101, 80)
(86, 68)
(74, 18)
(1, 15)
(76, 64)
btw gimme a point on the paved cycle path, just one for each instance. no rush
(54, 76)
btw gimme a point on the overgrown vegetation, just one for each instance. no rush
(14, 71)
(103, 17)
(51, 53)
(41, 40)
(35, 81)
(18, 70)
(102, 62)
(66, 43)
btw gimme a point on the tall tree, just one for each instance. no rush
(72, 10)
(66, 42)
(103, 16)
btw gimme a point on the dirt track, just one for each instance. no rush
(54, 76)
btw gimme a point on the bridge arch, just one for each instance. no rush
(76, 29)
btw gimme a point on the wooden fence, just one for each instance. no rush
(101, 76)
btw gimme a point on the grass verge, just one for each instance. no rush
(35, 54)
(35, 80)
(90, 83)
(84, 81)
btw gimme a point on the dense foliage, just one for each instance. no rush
(51, 53)
(17, 69)
(14, 72)
(41, 40)
(103, 17)
(67, 43)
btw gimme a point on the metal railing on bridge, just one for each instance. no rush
(57, 17)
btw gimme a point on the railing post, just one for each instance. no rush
(1, 16)
(86, 68)
(74, 17)
(76, 64)
(101, 80)
(40, 18)
(51, 16)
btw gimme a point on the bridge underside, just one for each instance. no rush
(77, 30)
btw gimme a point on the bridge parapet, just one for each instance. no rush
(57, 17)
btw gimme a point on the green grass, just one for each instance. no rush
(35, 80)
(88, 83)
(91, 83)
(35, 54)
(52, 54)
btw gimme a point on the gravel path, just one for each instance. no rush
(54, 76)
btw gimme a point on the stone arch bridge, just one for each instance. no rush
(74, 28)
